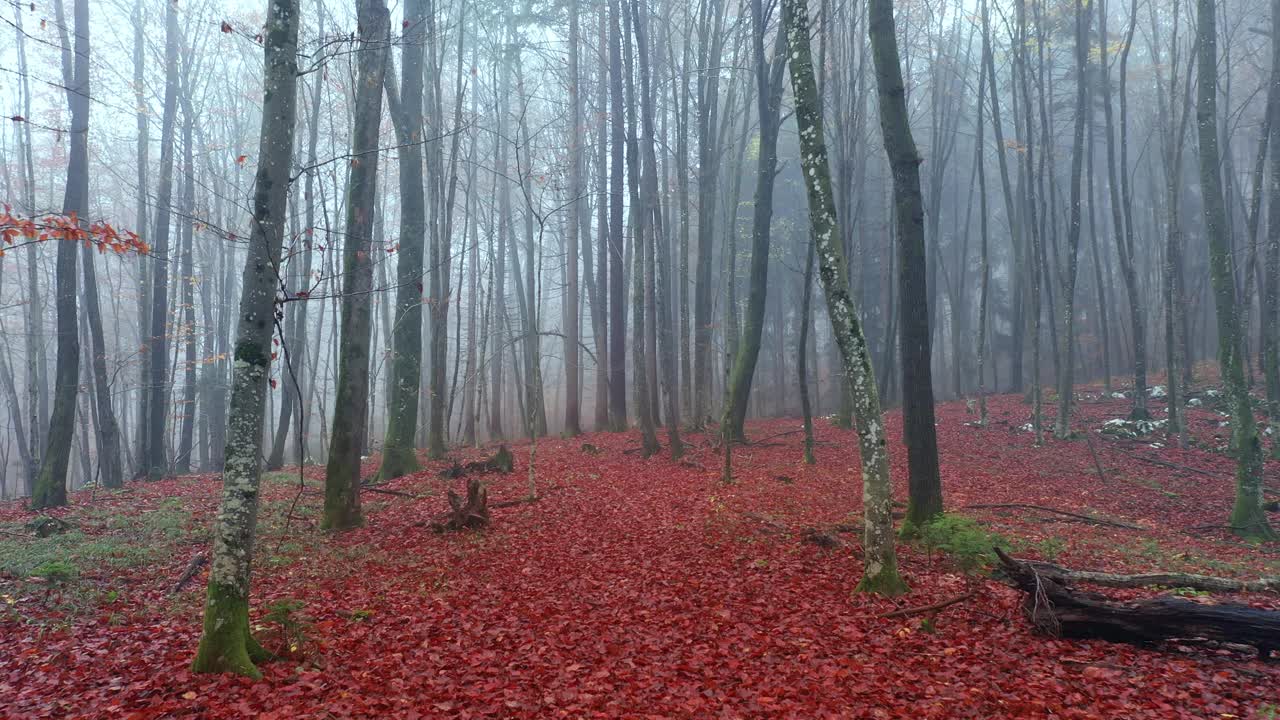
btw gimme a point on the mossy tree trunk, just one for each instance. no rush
(398, 455)
(919, 433)
(768, 77)
(226, 644)
(51, 483)
(1248, 518)
(880, 565)
(1271, 284)
(802, 352)
(351, 407)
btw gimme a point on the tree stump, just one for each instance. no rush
(1056, 609)
(469, 514)
(501, 461)
(46, 525)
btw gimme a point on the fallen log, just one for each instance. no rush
(193, 567)
(1207, 583)
(1054, 511)
(1163, 463)
(471, 514)
(1058, 610)
(501, 461)
(824, 540)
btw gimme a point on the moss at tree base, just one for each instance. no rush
(1249, 521)
(226, 646)
(397, 462)
(886, 583)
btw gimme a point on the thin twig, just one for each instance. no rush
(906, 612)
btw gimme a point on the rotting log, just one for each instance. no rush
(1054, 511)
(1054, 608)
(1206, 583)
(501, 461)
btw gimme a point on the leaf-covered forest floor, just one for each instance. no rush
(641, 588)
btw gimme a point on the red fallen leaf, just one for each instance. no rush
(458, 630)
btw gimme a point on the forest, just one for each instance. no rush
(640, 358)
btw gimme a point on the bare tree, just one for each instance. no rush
(880, 564)
(226, 644)
(348, 433)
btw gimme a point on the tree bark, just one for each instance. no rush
(1066, 346)
(919, 433)
(51, 484)
(711, 38)
(342, 475)
(398, 454)
(226, 644)
(1248, 519)
(768, 77)
(158, 348)
(572, 407)
(880, 565)
(617, 301)
(660, 287)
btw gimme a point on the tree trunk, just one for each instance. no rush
(226, 644)
(572, 410)
(158, 349)
(1066, 347)
(802, 351)
(398, 455)
(51, 484)
(768, 77)
(919, 433)
(980, 160)
(1271, 284)
(710, 36)
(617, 306)
(342, 476)
(660, 287)
(880, 565)
(1248, 519)
(1124, 238)
(186, 438)
(600, 304)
